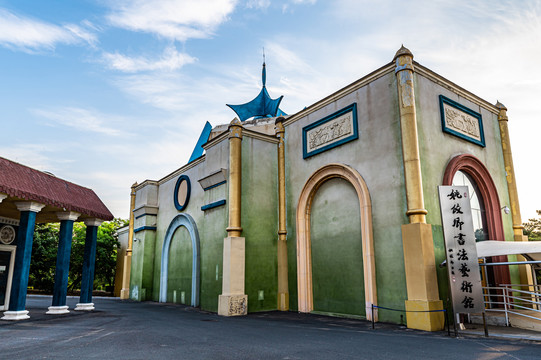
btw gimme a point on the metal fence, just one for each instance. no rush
(513, 299)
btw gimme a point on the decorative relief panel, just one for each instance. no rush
(333, 130)
(460, 121)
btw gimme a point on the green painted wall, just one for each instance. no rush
(212, 233)
(141, 284)
(337, 263)
(377, 156)
(259, 221)
(434, 163)
(180, 268)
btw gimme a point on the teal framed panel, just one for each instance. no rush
(460, 121)
(331, 131)
(181, 203)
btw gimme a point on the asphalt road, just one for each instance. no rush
(129, 330)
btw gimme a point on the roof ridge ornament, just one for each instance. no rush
(262, 105)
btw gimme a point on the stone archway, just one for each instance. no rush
(304, 262)
(472, 166)
(188, 222)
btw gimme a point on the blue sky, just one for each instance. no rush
(105, 93)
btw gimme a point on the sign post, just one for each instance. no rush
(461, 250)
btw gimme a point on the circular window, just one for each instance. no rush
(182, 192)
(7, 234)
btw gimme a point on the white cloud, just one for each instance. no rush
(258, 4)
(170, 60)
(26, 34)
(172, 19)
(82, 120)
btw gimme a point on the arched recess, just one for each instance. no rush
(472, 166)
(304, 258)
(188, 222)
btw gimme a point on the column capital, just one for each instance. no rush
(93, 222)
(2, 197)
(279, 127)
(68, 215)
(235, 129)
(29, 206)
(502, 116)
(403, 59)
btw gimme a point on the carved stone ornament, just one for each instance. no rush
(331, 131)
(7, 234)
(238, 305)
(461, 121)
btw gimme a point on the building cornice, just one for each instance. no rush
(440, 80)
(182, 170)
(382, 71)
(260, 136)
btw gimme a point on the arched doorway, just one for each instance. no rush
(181, 220)
(467, 170)
(304, 243)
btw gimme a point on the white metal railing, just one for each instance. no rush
(510, 299)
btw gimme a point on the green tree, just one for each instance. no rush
(106, 251)
(532, 228)
(44, 251)
(45, 247)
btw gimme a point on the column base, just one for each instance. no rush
(283, 301)
(427, 321)
(16, 315)
(232, 305)
(55, 310)
(125, 294)
(84, 307)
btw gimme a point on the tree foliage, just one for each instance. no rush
(532, 228)
(45, 247)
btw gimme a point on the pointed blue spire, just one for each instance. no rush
(262, 105)
(203, 138)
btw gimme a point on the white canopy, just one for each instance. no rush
(531, 250)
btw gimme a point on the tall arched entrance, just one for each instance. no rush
(467, 170)
(349, 181)
(186, 221)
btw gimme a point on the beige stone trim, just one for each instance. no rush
(29, 206)
(443, 82)
(178, 171)
(260, 136)
(68, 215)
(304, 257)
(382, 71)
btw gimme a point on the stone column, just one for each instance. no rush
(419, 261)
(89, 260)
(233, 301)
(518, 234)
(283, 290)
(126, 272)
(60, 290)
(23, 254)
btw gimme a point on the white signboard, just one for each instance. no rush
(462, 263)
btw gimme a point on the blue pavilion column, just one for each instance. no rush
(87, 283)
(63, 263)
(23, 254)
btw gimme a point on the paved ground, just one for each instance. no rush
(129, 330)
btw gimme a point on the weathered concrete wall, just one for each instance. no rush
(337, 259)
(437, 148)
(179, 287)
(377, 156)
(259, 220)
